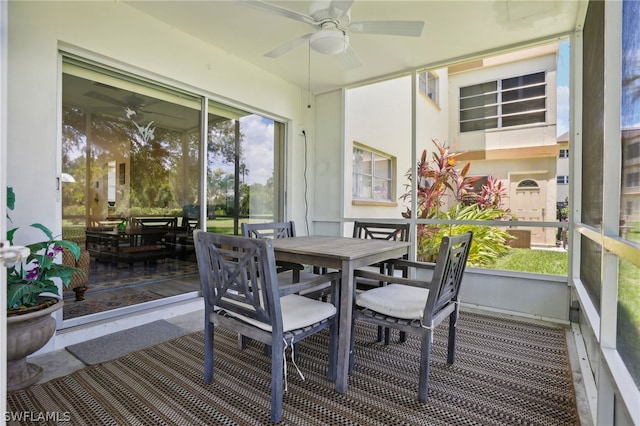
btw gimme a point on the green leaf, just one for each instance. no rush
(69, 245)
(44, 229)
(10, 235)
(11, 198)
(16, 293)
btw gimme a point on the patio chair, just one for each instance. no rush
(380, 231)
(241, 293)
(288, 272)
(416, 306)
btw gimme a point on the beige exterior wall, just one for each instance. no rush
(514, 154)
(379, 116)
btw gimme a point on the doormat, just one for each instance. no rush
(115, 345)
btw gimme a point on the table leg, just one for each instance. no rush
(344, 327)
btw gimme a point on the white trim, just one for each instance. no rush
(4, 5)
(479, 308)
(587, 376)
(623, 383)
(590, 312)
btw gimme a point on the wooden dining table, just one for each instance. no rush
(344, 254)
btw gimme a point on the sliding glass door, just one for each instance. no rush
(131, 183)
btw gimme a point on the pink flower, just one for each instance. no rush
(33, 274)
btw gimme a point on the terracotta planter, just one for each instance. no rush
(26, 334)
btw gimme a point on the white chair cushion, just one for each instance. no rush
(396, 300)
(297, 312)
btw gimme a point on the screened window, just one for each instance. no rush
(373, 176)
(562, 180)
(564, 153)
(503, 103)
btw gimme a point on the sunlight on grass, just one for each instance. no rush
(536, 261)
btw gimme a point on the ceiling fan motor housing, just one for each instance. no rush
(329, 41)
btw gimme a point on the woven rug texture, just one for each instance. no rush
(506, 372)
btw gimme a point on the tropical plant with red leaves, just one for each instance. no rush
(440, 183)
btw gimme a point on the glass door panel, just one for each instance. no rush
(130, 162)
(243, 168)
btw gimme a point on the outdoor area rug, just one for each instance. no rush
(506, 372)
(115, 345)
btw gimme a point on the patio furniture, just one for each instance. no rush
(241, 294)
(286, 230)
(275, 230)
(416, 306)
(380, 231)
(127, 245)
(288, 272)
(180, 240)
(344, 254)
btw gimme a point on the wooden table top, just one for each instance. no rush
(343, 248)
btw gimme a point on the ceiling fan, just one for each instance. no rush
(332, 20)
(133, 106)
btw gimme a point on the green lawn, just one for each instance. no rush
(537, 261)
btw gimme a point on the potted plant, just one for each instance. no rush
(32, 295)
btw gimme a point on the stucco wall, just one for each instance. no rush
(114, 34)
(379, 116)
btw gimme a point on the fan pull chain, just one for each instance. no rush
(309, 76)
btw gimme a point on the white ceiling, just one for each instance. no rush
(454, 30)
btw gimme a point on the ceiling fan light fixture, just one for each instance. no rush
(331, 41)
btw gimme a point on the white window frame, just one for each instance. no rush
(429, 85)
(490, 113)
(362, 192)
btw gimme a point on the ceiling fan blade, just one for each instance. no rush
(399, 28)
(104, 98)
(277, 10)
(349, 59)
(288, 46)
(339, 8)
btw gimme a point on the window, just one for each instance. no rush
(632, 151)
(428, 83)
(562, 180)
(503, 103)
(528, 183)
(372, 174)
(632, 180)
(564, 153)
